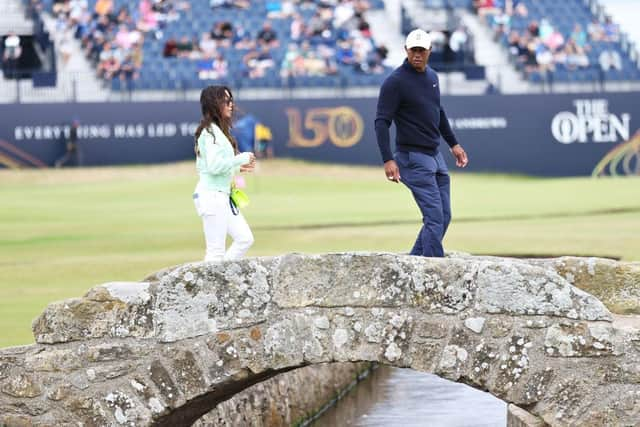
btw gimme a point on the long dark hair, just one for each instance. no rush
(213, 100)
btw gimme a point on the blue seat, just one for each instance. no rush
(561, 75)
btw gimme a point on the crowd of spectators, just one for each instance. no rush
(312, 38)
(334, 34)
(541, 47)
(110, 37)
(452, 48)
(11, 52)
(452, 44)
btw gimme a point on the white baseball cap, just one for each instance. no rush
(418, 38)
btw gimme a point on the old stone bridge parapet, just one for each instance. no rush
(165, 351)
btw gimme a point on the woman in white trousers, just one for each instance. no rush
(217, 161)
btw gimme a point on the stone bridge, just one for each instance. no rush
(169, 349)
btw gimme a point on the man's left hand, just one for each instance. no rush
(460, 155)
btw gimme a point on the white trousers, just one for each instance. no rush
(218, 221)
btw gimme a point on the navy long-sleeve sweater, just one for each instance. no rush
(411, 100)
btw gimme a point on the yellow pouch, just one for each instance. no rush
(239, 198)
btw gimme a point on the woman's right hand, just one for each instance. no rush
(252, 159)
(249, 166)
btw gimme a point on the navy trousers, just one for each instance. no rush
(428, 179)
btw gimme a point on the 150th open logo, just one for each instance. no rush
(592, 122)
(342, 126)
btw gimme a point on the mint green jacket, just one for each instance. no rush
(217, 163)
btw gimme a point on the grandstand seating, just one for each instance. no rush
(159, 72)
(563, 16)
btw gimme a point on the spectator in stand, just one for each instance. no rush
(316, 25)
(280, 9)
(513, 41)
(103, 24)
(288, 67)
(123, 39)
(579, 36)
(128, 72)
(93, 44)
(109, 62)
(11, 55)
(595, 30)
(544, 58)
(383, 53)
(65, 47)
(124, 17)
(245, 42)
(364, 28)
(486, 8)
(240, 4)
(361, 6)
(533, 28)
(267, 36)
(222, 33)
(12, 48)
(545, 29)
(167, 10)
(375, 62)
(184, 47)
(220, 67)
(314, 65)
(458, 42)
(170, 48)
(83, 24)
(60, 7)
(137, 56)
(34, 9)
(517, 7)
(307, 4)
(343, 13)
(500, 31)
(148, 17)
(205, 68)
(611, 32)
(209, 69)
(554, 40)
(76, 9)
(609, 59)
(344, 53)
(576, 56)
(104, 7)
(529, 61)
(207, 45)
(257, 61)
(438, 40)
(297, 28)
(327, 55)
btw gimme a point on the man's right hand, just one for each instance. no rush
(391, 170)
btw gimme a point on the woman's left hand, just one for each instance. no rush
(248, 168)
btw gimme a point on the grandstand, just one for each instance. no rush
(100, 50)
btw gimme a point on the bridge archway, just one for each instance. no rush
(165, 351)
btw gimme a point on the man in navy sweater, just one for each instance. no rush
(410, 97)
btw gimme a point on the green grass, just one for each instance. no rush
(64, 231)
